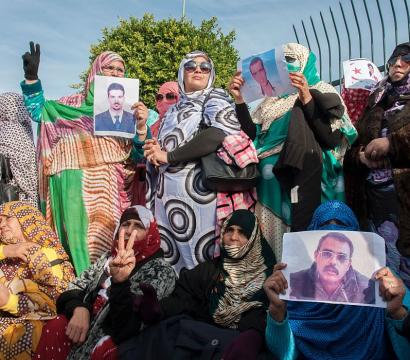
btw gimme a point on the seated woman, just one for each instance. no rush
(225, 292)
(301, 138)
(195, 126)
(84, 307)
(34, 271)
(324, 331)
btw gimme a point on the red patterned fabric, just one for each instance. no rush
(54, 343)
(105, 350)
(239, 149)
(355, 101)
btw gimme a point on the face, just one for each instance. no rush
(258, 72)
(196, 80)
(10, 230)
(399, 69)
(164, 100)
(130, 225)
(371, 70)
(115, 68)
(234, 236)
(332, 260)
(116, 99)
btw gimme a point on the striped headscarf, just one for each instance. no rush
(33, 225)
(244, 270)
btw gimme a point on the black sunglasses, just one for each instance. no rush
(204, 66)
(168, 96)
(392, 61)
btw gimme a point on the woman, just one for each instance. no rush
(34, 271)
(301, 138)
(225, 292)
(379, 160)
(323, 331)
(85, 180)
(15, 124)
(184, 208)
(166, 97)
(84, 307)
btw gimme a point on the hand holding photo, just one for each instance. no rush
(265, 74)
(113, 100)
(360, 74)
(333, 267)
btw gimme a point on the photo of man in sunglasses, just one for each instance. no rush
(331, 277)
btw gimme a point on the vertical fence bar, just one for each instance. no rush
(328, 46)
(318, 45)
(306, 36)
(371, 30)
(408, 17)
(395, 21)
(296, 34)
(358, 28)
(383, 31)
(338, 43)
(347, 30)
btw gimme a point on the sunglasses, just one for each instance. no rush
(111, 69)
(204, 66)
(393, 60)
(340, 257)
(168, 96)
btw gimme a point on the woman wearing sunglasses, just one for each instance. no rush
(167, 96)
(184, 208)
(379, 163)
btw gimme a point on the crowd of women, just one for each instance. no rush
(116, 248)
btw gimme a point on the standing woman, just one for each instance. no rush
(184, 208)
(16, 145)
(84, 179)
(34, 271)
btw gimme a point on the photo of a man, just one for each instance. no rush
(331, 277)
(115, 118)
(258, 72)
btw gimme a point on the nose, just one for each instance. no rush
(234, 235)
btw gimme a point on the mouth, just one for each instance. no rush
(331, 271)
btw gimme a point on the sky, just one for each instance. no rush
(66, 29)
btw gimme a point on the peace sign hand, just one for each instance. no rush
(124, 262)
(31, 62)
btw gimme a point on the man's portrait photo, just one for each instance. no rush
(334, 267)
(111, 108)
(265, 75)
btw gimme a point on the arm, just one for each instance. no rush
(244, 118)
(280, 339)
(33, 99)
(137, 152)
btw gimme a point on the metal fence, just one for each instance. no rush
(354, 29)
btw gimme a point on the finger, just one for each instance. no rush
(384, 271)
(76, 335)
(83, 335)
(279, 266)
(31, 48)
(121, 240)
(238, 73)
(131, 240)
(38, 49)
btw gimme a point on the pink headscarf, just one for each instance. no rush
(102, 60)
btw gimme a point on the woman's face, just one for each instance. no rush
(197, 79)
(10, 230)
(115, 68)
(399, 69)
(234, 236)
(130, 225)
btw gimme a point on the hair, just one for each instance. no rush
(370, 65)
(115, 86)
(339, 237)
(255, 60)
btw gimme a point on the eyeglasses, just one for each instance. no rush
(111, 69)
(393, 60)
(340, 257)
(204, 66)
(168, 96)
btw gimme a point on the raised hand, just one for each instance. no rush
(31, 62)
(299, 81)
(78, 325)
(124, 262)
(140, 115)
(274, 285)
(235, 85)
(19, 250)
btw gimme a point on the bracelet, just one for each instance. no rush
(142, 132)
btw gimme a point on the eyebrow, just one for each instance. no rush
(338, 253)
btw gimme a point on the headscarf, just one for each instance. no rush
(16, 144)
(324, 331)
(181, 122)
(244, 270)
(148, 246)
(165, 88)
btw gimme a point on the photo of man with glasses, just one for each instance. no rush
(331, 276)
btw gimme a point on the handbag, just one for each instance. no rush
(222, 177)
(8, 192)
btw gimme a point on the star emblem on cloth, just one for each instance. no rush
(357, 71)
